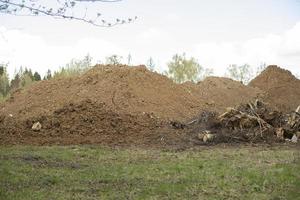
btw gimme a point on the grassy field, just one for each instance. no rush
(92, 172)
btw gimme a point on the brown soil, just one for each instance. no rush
(86, 122)
(281, 87)
(115, 106)
(123, 89)
(112, 105)
(220, 93)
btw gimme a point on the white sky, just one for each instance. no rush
(217, 33)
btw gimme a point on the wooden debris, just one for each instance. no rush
(257, 118)
(206, 136)
(280, 133)
(294, 139)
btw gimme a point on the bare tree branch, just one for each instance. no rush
(105, 1)
(64, 11)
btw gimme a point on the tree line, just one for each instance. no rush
(22, 78)
(180, 69)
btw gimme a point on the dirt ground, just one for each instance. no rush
(131, 106)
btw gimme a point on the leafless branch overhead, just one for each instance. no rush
(64, 10)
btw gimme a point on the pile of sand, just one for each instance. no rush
(281, 87)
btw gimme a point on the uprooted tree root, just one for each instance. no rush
(248, 123)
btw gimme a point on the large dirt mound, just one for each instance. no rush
(220, 93)
(281, 87)
(111, 105)
(123, 89)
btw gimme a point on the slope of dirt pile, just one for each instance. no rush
(220, 93)
(123, 89)
(86, 122)
(111, 105)
(281, 87)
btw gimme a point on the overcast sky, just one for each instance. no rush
(217, 33)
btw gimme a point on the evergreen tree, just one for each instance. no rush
(4, 81)
(48, 75)
(2, 70)
(15, 82)
(37, 76)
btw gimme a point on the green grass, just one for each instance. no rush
(92, 172)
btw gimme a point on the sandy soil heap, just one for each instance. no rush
(108, 105)
(133, 90)
(121, 106)
(86, 122)
(220, 93)
(281, 87)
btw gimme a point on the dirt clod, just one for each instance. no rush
(36, 126)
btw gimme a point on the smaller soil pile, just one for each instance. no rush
(220, 93)
(252, 122)
(281, 87)
(87, 122)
